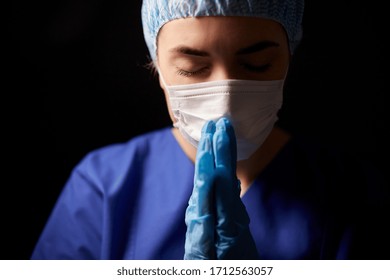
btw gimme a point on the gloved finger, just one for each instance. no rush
(225, 147)
(227, 185)
(233, 237)
(204, 171)
(200, 218)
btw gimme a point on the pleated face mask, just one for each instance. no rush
(251, 106)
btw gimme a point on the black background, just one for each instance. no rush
(75, 81)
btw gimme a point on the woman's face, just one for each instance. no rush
(193, 50)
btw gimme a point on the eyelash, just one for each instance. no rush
(186, 73)
(259, 69)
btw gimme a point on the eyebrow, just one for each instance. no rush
(189, 51)
(259, 46)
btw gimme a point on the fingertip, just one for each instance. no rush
(208, 127)
(223, 123)
(226, 125)
(205, 143)
(221, 146)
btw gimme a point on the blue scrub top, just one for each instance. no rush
(128, 201)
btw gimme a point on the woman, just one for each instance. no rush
(224, 182)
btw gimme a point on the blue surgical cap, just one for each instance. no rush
(155, 13)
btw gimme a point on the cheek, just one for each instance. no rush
(279, 67)
(166, 69)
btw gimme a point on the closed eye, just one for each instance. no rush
(187, 73)
(257, 68)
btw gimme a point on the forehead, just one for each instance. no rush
(220, 31)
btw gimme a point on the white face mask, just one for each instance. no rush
(251, 106)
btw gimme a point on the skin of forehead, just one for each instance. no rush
(234, 28)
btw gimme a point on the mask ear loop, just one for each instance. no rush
(166, 88)
(161, 76)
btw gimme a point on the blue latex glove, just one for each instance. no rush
(216, 219)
